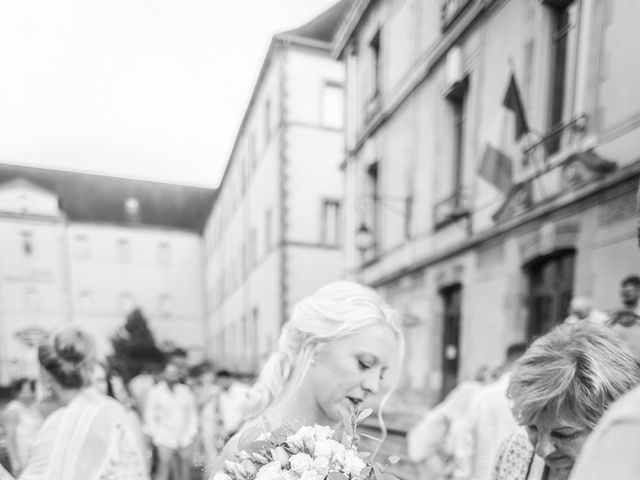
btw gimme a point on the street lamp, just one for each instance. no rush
(364, 238)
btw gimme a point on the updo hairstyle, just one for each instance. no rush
(68, 355)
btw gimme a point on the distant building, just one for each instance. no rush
(86, 249)
(482, 238)
(275, 232)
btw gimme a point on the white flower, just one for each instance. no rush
(309, 475)
(322, 449)
(221, 476)
(289, 475)
(301, 462)
(335, 446)
(321, 465)
(353, 462)
(322, 432)
(302, 438)
(270, 471)
(281, 456)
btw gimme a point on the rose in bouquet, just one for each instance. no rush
(304, 453)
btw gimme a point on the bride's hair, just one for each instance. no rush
(334, 311)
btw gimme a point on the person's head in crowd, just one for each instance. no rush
(224, 379)
(202, 380)
(180, 359)
(564, 383)
(626, 326)
(172, 373)
(99, 377)
(580, 307)
(24, 390)
(630, 292)
(333, 352)
(67, 359)
(514, 352)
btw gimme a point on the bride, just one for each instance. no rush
(332, 354)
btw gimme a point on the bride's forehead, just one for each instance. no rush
(372, 338)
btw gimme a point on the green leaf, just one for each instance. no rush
(377, 471)
(364, 454)
(336, 476)
(365, 414)
(249, 436)
(393, 459)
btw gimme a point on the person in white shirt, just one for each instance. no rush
(171, 421)
(582, 309)
(488, 421)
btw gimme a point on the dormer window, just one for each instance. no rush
(132, 209)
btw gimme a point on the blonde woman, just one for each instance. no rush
(560, 388)
(332, 355)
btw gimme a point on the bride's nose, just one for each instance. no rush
(371, 383)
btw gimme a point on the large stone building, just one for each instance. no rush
(479, 246)
(86, 249)
(274, 234)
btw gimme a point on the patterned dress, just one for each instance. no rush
(516, 460)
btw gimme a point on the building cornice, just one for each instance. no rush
(557, 204)
(348, 26)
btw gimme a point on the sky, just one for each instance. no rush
(151, 89)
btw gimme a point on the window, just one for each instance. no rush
(85, 301)
(126, 303)
(124, 250)
(32, 299)
(267, 121)
(164, 253)
(372, 194)
(457, 103)
(376, 74)
(330, 222)
(563, 20)
(82, 247)
(267, 230)
(166, 305)
(550, 291)
(27, 243)
(451, 319)
(253, 247)
(332, 105)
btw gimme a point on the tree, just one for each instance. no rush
(134, 348)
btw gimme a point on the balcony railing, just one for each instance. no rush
(452, 208)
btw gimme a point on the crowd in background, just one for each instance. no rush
(176, 416)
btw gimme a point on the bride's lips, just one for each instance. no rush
(560, 461)
(354, 401)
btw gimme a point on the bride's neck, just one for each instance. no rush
(301, 406)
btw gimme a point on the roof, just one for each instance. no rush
(352, 18)
(86, 197)
(322, 28)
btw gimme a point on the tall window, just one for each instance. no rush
(376, 74)
(562, 22)
(550, 291)
(372, 192)
(124, 250)
(268, 220)
(267, 120)
(332, 105)
(164, 253)
(330, 222)
(452, 302)
(457, 102)
(82, 247)
(27, 243)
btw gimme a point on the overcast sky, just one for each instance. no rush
(151, 89)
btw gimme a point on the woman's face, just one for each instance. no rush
(557, 439)
(345, 372)
(27, 393)
(99, 378)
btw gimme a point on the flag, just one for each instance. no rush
(501, 149)
(513, 102)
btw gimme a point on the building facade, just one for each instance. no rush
(86, 249)
(274, 234)
(479, 237)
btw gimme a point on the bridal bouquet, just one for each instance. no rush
(304, 453)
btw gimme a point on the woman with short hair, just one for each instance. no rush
(560, 388)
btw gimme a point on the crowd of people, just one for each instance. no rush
(80, 420)
(564, 407)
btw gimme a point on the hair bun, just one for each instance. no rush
(73, 346)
